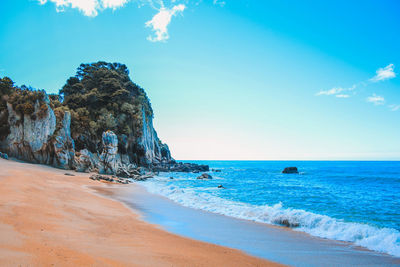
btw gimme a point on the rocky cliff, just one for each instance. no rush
(101, 121)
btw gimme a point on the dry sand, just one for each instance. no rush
(50, 219)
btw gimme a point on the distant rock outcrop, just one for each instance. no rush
(290, 170)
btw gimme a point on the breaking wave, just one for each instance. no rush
(386, 240)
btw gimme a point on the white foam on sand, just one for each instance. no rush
(384, 240)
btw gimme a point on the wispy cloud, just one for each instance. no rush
(337, 91)
(382, 74)
(219, 2)
(89, 8)
(376, 99)
(343, 96)
(394, 107)
(332, 91)
(159, 23)
(385, 73)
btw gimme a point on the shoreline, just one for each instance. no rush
(47, 217)
(276, 243)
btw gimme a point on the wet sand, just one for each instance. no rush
(279, 244)
(50, 219)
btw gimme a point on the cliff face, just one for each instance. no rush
(155, 151)
(104, 124)
(28, 138)
(36, 140)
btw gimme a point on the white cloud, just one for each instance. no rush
(343, 96)
(384, 73)
(336, 90)
(114, 4)
(89, 8)
(332, 91)
(159, 23)
(377, 100)
(394, 107)
(219, 2)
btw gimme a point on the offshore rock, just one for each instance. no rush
(289, 170)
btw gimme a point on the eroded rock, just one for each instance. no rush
(108, 158)
(64, 146)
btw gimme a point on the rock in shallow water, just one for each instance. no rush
(204, 176)
(290, 170)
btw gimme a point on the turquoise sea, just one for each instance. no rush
(353, 201)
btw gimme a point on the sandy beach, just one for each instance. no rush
(50, 219)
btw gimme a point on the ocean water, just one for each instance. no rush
(357, 202)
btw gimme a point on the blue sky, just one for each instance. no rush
(230, 79)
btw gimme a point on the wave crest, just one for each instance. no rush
(386, 240)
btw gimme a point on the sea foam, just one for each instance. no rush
(386, 240)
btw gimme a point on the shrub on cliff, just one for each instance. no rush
(23, 100)
(6, 88)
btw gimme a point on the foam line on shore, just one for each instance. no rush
(386, 240)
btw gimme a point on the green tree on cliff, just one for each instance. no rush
(102, 97)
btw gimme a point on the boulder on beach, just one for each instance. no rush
(290, 170)
(204, 176)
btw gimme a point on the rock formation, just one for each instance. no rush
(108, 158)
(204, 176)
(64, 146)
(29, 135)
(290, 170)
(101, 121)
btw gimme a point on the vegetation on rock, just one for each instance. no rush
(23, 100)
(99, 97)
(102, 97)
